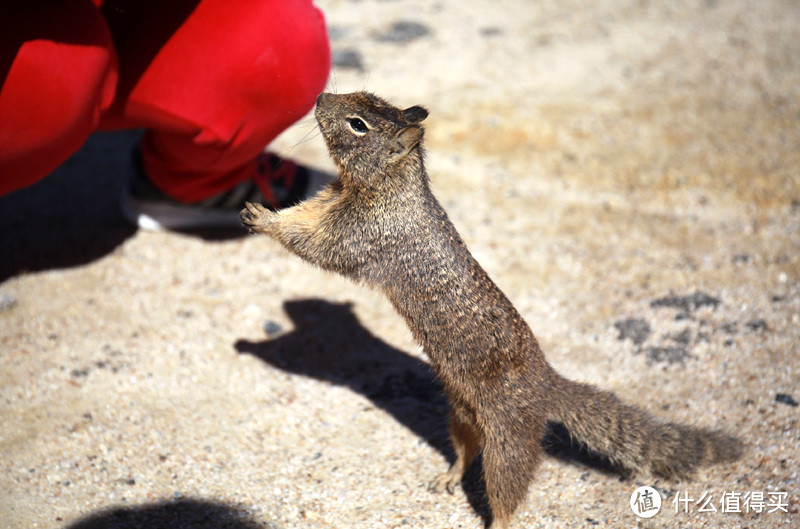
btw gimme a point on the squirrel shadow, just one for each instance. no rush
(329, 344)
(197, 514)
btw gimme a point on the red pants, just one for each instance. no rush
(212, 81)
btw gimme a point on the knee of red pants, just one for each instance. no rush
(57, 74)
(223, 85)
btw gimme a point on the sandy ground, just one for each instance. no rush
(627, 171)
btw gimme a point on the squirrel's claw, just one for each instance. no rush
(253, 215)
(446, 481)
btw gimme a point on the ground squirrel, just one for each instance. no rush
(379, 223)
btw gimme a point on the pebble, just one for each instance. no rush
(687, 303)
(634, 329)
(758, 325)
(404, 31)
(7, 301)
(348, 59)
(272, 328)
(786, 399)
(670, 355)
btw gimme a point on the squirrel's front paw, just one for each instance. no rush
(255, 216)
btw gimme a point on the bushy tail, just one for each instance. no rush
(631, 438)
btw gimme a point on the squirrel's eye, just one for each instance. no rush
(358, 125)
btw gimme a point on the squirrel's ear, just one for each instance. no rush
(404, 141)
(414, 114)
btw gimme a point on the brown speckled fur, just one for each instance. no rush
(379, 224)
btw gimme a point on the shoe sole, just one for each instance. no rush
(155, 216)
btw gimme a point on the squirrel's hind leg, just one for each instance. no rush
(510, 458)
(466, 442)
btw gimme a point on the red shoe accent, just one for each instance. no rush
(271, 169)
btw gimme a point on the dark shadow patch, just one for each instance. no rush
(328, 343)
(72, 217)
(190, 513)
(218, 234)
(559, 444)
(139, 36)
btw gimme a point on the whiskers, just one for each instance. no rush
(309, 123)
(332, 85)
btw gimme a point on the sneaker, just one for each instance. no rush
(276, 183)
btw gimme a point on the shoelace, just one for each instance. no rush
(271, 169)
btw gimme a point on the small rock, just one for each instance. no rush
(683, 337)
(729, 327)
(687, 303)
(491, 32)
(670, 355)
(784, 398)
(634, 329)
(7, 301)
(348, 59)
(404, 31)
(272, 328)
(337, 32)
(758, 325)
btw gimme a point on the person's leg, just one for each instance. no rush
(214, 82)
(57, 74)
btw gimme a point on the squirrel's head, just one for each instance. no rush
(367, 137)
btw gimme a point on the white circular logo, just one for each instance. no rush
(645, 502)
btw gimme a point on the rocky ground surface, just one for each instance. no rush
(627, 171)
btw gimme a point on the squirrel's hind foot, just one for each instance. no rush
(446, 481)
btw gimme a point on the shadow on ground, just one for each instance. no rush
(191, 513)
(330, 344)
(72, 217)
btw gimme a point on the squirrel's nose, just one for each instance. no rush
(322, 97)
